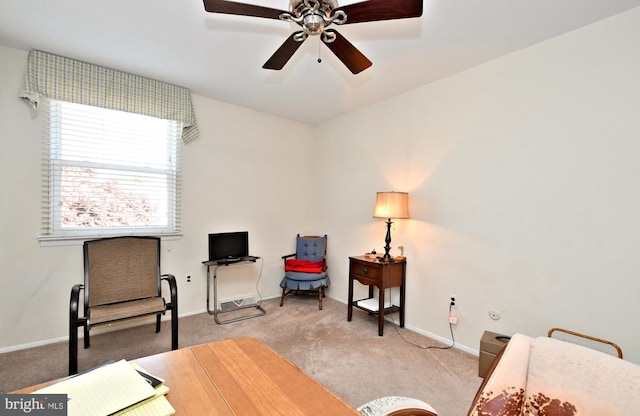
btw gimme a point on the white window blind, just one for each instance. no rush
(109, 172)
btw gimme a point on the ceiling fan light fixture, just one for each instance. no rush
(313, 24)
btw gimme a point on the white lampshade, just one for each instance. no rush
(391, 205)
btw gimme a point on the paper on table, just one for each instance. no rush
(103, 391)
(157, 406)
(373, 304)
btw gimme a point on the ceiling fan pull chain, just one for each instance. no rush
(319, 59)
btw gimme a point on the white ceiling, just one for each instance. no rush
(221, 56)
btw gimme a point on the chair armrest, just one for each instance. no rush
(173, 306)
(284, 258)
(577, 334)
(173, 291)
(74, 303)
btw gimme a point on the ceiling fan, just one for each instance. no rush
(315, 16)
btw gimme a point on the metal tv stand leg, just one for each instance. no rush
(215, 311)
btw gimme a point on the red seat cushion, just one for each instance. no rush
(304, 266)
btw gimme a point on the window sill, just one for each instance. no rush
(78, 240)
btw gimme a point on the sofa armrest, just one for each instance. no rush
(502, 391)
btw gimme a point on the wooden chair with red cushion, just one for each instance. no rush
(306, 269)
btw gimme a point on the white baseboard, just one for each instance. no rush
(107, 328)
(445, 341)
(138, 322)
(32, 345)
(420, 331)
(103, 329)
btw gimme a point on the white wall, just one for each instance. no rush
(523, 176)
(523, 181)
(238, 175)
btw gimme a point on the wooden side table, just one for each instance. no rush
(382, 275)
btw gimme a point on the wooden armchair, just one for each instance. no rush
(306, 269)
(121, 280)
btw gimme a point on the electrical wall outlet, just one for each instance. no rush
(453, 309)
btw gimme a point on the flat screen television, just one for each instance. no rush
(228, 246)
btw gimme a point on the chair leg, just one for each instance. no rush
(74, 322)
(173, 306)
(87, 341)
(284, 291)
(157, 323)
(73, 346)
(320, 296)
(174, 329)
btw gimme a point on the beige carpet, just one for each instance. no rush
(349, 358)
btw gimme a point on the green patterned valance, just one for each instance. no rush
(66, 79)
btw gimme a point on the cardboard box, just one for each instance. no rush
(490, 345)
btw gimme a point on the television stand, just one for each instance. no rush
(215, 264)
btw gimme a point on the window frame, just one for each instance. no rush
(54, 232)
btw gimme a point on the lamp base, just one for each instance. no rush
(387, 257)
(384, 259)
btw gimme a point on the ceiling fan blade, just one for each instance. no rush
(242, 9)
(347, 53)
(283, 54)
(372, 10)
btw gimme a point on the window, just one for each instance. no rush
(110, 172)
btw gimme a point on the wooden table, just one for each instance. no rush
(372, 272)
(239, 377)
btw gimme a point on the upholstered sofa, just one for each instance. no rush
(542, 377)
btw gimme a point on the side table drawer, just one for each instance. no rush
(366, 273)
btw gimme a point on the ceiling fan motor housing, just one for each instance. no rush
(314, 15)
(313, 24)
(298, 6)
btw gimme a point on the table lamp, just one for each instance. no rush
(391, 205)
